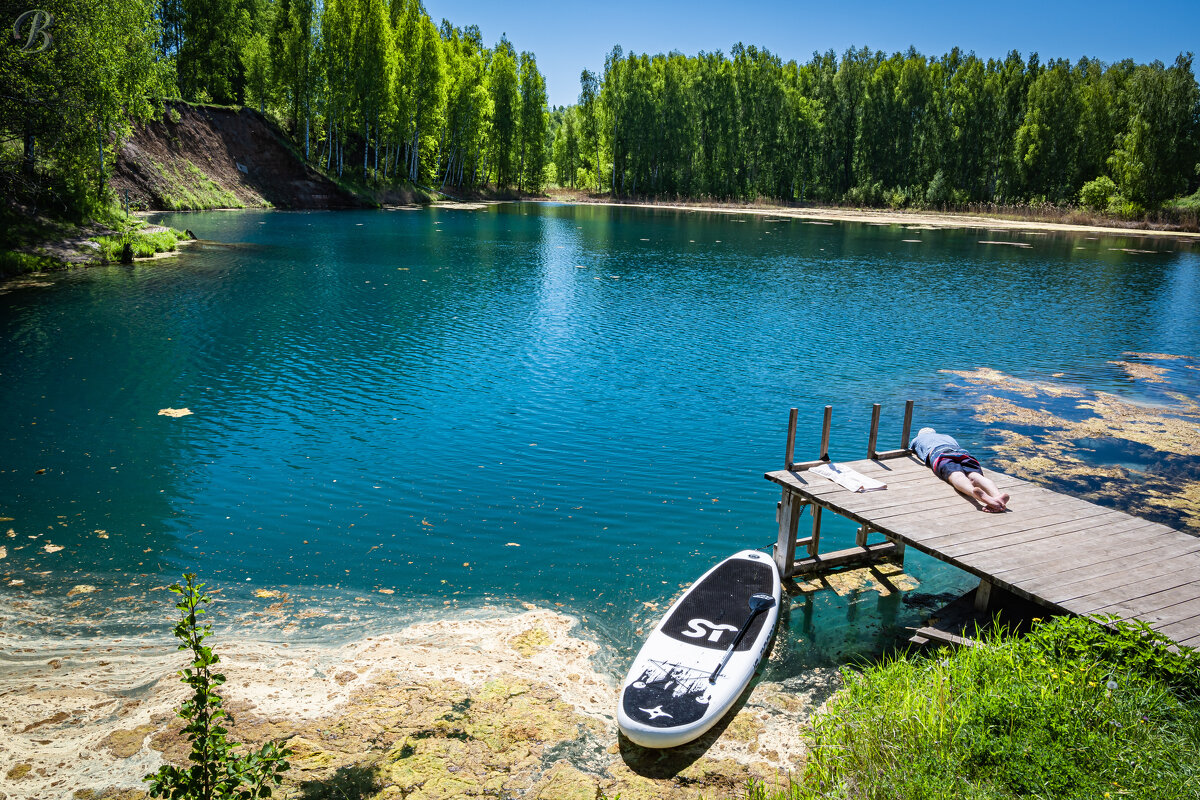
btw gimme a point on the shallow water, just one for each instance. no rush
(404, 414)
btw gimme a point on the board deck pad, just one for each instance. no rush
(713, 612)
(667, 698)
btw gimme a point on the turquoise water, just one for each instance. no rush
(524, 404)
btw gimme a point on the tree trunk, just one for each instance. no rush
(329, 143)
(100, 148)
(30, 148)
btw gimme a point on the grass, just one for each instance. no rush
(141, 245)
(189, 189)
(13, 262)
(1071, 710)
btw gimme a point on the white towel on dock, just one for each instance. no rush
(844, 476)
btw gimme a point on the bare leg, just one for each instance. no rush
(965, 485)
(998, 499)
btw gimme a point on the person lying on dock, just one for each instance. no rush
(958, 468)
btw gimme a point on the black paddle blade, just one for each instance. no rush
(760, 602)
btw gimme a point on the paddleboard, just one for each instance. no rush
(667, 698)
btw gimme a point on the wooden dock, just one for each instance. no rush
(1058, 551)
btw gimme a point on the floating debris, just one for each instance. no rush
(1010, 244)
(81, 588)
(174, 412)
(52, 548)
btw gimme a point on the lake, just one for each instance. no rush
(403, 414)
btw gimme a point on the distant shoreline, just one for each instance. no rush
(931, 219)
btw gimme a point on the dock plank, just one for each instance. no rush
(1147, 606)
(1125, 584)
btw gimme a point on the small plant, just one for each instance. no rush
(217, 771)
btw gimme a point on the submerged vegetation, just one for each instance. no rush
(1072, 710)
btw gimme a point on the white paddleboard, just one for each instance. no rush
(667, 698)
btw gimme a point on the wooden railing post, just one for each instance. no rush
(874, 431)
(904, 438)
(825, 424)
(790, 457)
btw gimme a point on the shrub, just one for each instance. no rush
(217, 771)
(938, 194)
(865, 194)
(1097, 194)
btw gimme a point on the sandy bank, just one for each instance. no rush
(508, 706)
(912, 219)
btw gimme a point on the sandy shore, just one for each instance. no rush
(508, 706)
(912, 219)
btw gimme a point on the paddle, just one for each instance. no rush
(758, 602)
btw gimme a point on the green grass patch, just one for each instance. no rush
(1188, 204)
(14, 262)
(188, 188)
(1072, 710)
(140, 245)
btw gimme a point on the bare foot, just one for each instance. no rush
(991, 504)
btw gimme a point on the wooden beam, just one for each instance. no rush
(852, 556)
(941, 637)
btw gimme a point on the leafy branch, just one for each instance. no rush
(217, 771)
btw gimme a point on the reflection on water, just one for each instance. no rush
(399, 415)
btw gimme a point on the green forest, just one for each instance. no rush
(871, 129)
(375, 93)
(370, 90)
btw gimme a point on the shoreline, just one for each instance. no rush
(931, 219)
(515, 704)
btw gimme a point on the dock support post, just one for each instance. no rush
(790, 509)
(983, 594)
(814, 541)
(874, 431)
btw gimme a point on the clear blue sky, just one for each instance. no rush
(568, 36)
